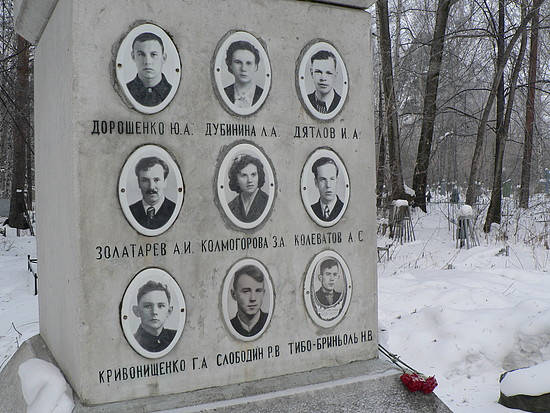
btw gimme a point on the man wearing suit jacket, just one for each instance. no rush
(328, 275)
(329, 205)
(242, 60)
(323, 72)
(154, 209)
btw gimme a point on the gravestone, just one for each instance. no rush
(213, 228)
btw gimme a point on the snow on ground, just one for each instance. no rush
(44, 388)
(464, 316)
(18, 305)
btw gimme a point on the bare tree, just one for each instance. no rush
(529, 113)
(481, 131)
(390, 106)
(18, 208)
(430, 98)
(503, 120)
(381, 168)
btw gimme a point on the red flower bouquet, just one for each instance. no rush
(415, 382)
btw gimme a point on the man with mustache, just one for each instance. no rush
(150, 86)
(248, 290)
(323, 71)
(154, 209)
(328, 275)
(329, 205)
(153, 309)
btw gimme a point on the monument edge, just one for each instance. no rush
(32, 16)
(375, 382)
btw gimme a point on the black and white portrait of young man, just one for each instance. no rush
(327, 288)
(153, 312)
(148, 68)
(247, 299)
(325, 187)
(151, 190)
(322, 80)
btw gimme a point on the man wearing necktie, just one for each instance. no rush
(328, 275)
(323, 71)
(329, 205)
(154, 209)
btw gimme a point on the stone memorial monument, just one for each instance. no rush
(212, 229)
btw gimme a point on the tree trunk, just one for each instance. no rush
(17, 218)
(397, 45)
(381, 170)
(480, 137)
(495, 208)
(430, 107)
(390, 107)
(529, 114)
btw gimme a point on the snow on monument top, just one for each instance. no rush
(466, 211)
(531, 381)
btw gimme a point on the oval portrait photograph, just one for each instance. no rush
(325, 187)
(150, 190)
(322, 80)
(241, 73)
(153, 313)
(148, 68)
(247, 299)
(245, 186)
(327, 289)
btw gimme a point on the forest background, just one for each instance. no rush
(461, 100)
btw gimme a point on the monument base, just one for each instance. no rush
(365, 386)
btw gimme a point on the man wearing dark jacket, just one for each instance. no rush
(149, 87)
(248, 291)
(328, 275)
(154, 209)
(153, 308)
(329, 205)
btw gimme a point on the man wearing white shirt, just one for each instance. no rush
(323, 71)
(242, 60)
(329, 205)
(154, 209)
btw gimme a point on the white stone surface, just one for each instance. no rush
(32, 17)
(80, 295)
(57, 188)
